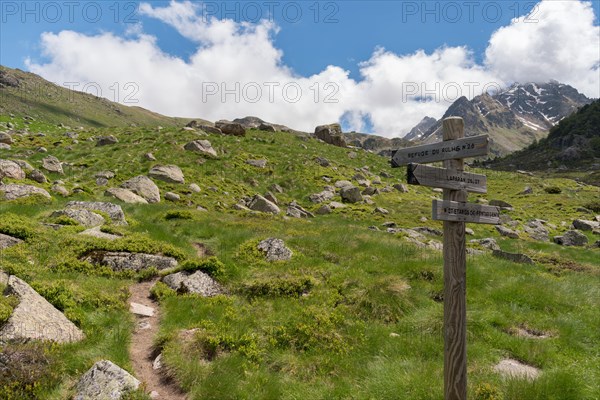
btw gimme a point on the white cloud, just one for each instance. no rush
(558, 40)
(240, 60)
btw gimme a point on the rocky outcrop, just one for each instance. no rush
(197, 282)
(201, 147)
(14, 191)
(571, 238)
(125, 195)
(10, 169)
(167, 173)
(143, 187)
(36, 319)
(105, 381)
(322, 197)
(121, 261)
(351, 194)
(331, 134)
(52, 164)
(585, 225)
(275, 250)
(259, 203)
(294, 210)
(231, 128)
(82, 216)
(114, 211)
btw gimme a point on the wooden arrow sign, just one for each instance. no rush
(448, 150)
(425, 175)
(465, 212)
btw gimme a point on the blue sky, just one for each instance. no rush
(364, 42)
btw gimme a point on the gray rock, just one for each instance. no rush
(527, 190)
(331, 134)
(370, 191)
(5, 138)
(271, 197)
(10, 169)
(172, 196)
(167, 173)
(114, 211)
(321, 197)
(536, 230)
(201, 147)
(106, 140)
(149, 157)
(294, 210)
(52, 164)
(336, 205)
(571, 238)
(266, 128)
(401, 188)
(108, 175)
(37, 176)
(351, 194)
(275, 250)
(195, 188)
(231, 128)
(197, 282)
(501, 204)
(8, 241)
(121, 261)
(105, 381)
(97, 233)
(259, 203)
(82, 216)
(60, 189)
(324, 210)
(504, 231)
(36, 319)
(514, 257)
(488, 243)
(513, 369)
(584, 225)
(276, 188)
(101, 182)
(323, 162)
(341, 184)
(14, 191)
(125, 195)
(381, 211)
(352, 155)
(141, 310)
(469, 231)
(42, 149)
(210, 129)
(257, 163)
(143, 187)
(4, 146)
(422, 229)
(24, 165)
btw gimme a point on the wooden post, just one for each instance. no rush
(455, 285)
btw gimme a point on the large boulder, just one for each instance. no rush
(14, 191)
(10, 169)
(536, 230)
(351, 194)
(167, 173)
(37, 176)
(321, 197)
(259, 203)
(143, 187)
(197, 282)
(275, 250)
(121, 261)
(202, 147)
(105, 381)
(36, 319)
(571, 238)
(5, 138)
(331, 134)
(504, 231)
(52, 164)
(125, 195)
(8, 241)
(107, 140)
(82, 216)
(231, 128)
(585, 225)
(114, 211)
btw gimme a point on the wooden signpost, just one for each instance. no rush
(454, 211)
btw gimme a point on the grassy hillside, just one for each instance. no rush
(26, 94)
(355, 314)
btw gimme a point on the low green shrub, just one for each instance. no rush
(278, 287)
(161, 291)
(211, 266)
(57, 293)
(552, 190)
(17, 226)
(178, 214)
(485, 391)
(32, 366)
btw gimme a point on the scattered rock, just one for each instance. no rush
(336, 205)
(141, 310)
(108, 175)
(167, 173)
(172, 196)
(323, 162)
(114, 211)
(144, 187)
(197, 282)
(504, 231)
(210, 129)
(488, 243)
(381, 211)
(149, 157)
(331, 134)
(195, 188)
(266, 127)
(257, 163)
(14, 191)
(401, 188)
(294, 210)
(60, 189)
(105, 381)
(275, 250)
(231, 128)
(5, 138)
(321, 197)
(324, 210)
(52, 164)
(370, 191)
(36, 319)
(469, 231)
(515, 369)
(571, 238)
(125, 195)
(584, 225)
(271, 197)
(501, 204)
(24, 165)
(12, 170)
(8, 241)
(97, 233)
(527, 190)
(259, 203)
(37, 176)
(422, 229)
(276, 188)
(82, 216)
(157, 363)
(352, 155)
(351, 194)
(121, 261)
(106, 140)
(536, 230)
(201, 147)
(514, 257)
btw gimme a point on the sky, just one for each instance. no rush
(374, 66)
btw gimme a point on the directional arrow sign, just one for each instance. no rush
(448, 150)
(418, 174)
(465, 212)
